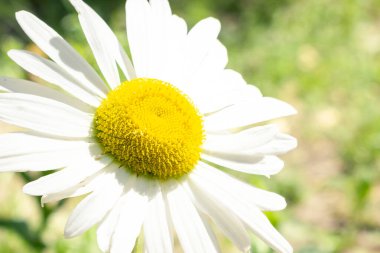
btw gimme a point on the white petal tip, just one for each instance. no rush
(213, 20)
(11, 52)
(295, 143)
(281, 204)
(68, 233)
(291, 110)
(21, 14)
(28, 189)
(284, 108)
(291, 146)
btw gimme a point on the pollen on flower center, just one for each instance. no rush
(151, 128)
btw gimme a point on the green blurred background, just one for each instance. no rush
(322, 56)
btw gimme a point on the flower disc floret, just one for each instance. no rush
(151, 128)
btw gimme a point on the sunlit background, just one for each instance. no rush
(321, 56)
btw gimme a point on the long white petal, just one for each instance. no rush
(227, 87)
(265, 200)
(132, 216)
(105, 46)
(199, 84)
(44, 115)
(281, 144)
(36, 161)
(157, 233)
(207, 70)
(159, 33)
(161, 7)
(74, 174)
(247, 113)
(225, 220)
(53, 73)
(84, 187)
(61, 52)
(94, 207)
(200, 41)
(9, 84)
(247, 139)
(24, 152)
(250, 151)
(246, 211)
(107, 227)
(267, 165)
(172, 69)
(189, 226)
(139, 30)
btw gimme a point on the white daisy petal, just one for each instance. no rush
(228, 88)
(24, 152)
(189, 226)
(206, 29)
(53, 73)
(157, 233)
(107, 227)
(157, 42)
(208, 71)
(161, 7)
(265, 200)
(246, 211)
(229, 80)
(105, 46)
(262, 227)
(94, 207)
(93, 28)
(281, 144)
(132, 215)
(213, 62)
(44, 115)
(158, 31)
(173, 69)
(151, 40)
(9, 84)
(73, 174)
(225, 220)
(247, 139)
(200, 41)
(36, 161)
(250, 150)
(247, 113)
(210, 232)
(267, 165)
(86, 186)
(61, 52)
(139, 29)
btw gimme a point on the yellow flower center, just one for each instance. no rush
(151, 128)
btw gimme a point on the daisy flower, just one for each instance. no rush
(146, 141)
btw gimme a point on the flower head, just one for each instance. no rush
(145, 149)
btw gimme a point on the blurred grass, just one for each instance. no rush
(321, 56)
